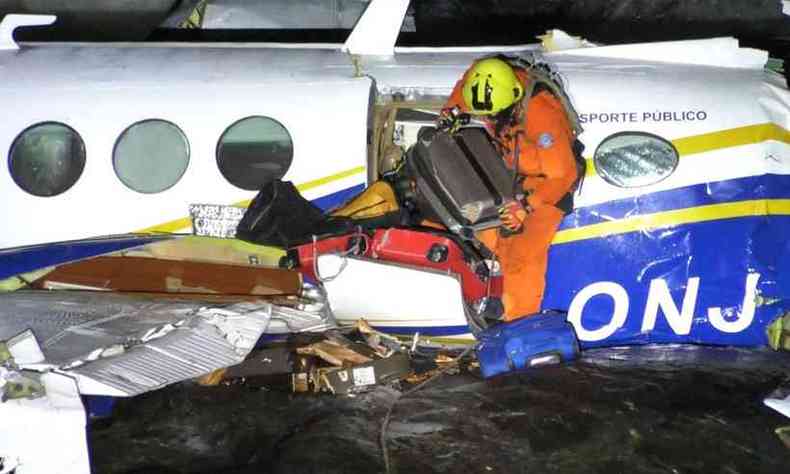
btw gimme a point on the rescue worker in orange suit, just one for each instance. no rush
(495, 90)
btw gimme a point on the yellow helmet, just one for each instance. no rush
(491, 86)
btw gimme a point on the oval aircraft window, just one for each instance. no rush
(254, 151)
(633, 159)
(151, 156)
(47, 159)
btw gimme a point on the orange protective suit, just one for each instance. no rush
(546, 161)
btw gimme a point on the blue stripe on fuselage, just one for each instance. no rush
(434, 331)
(26, 259)
(768, 186)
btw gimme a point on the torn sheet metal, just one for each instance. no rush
(46, 434)
(312, 317)
(211, 339)
(70, 325)
(122, 345)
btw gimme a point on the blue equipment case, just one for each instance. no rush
(528, 342)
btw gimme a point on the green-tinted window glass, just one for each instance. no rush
(151, 156)
(254, 151)
(47, 159)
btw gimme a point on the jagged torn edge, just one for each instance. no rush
(212, 339)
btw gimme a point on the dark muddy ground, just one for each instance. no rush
(643, 410)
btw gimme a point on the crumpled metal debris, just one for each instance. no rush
(341, 362)
(211, 339)
(356, 365)
(121, 345)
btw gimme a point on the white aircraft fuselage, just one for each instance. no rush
(724, 114)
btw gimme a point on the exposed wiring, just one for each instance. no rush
(356, 249)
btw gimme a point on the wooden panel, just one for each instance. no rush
(137, 274)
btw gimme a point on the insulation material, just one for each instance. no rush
(46, 434)
(151, 275)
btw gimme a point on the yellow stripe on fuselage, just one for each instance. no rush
(184, 222)
(739, 136)
(647, 222)
(732, 137)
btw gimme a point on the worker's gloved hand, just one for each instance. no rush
(513, 214)
(451, 119)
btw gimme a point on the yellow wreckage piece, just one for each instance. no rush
(377, 200)
(210, 250)
(195, 18)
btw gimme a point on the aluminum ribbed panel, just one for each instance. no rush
(182, 354)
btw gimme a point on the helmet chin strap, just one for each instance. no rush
(506, 117)
(487, 103)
